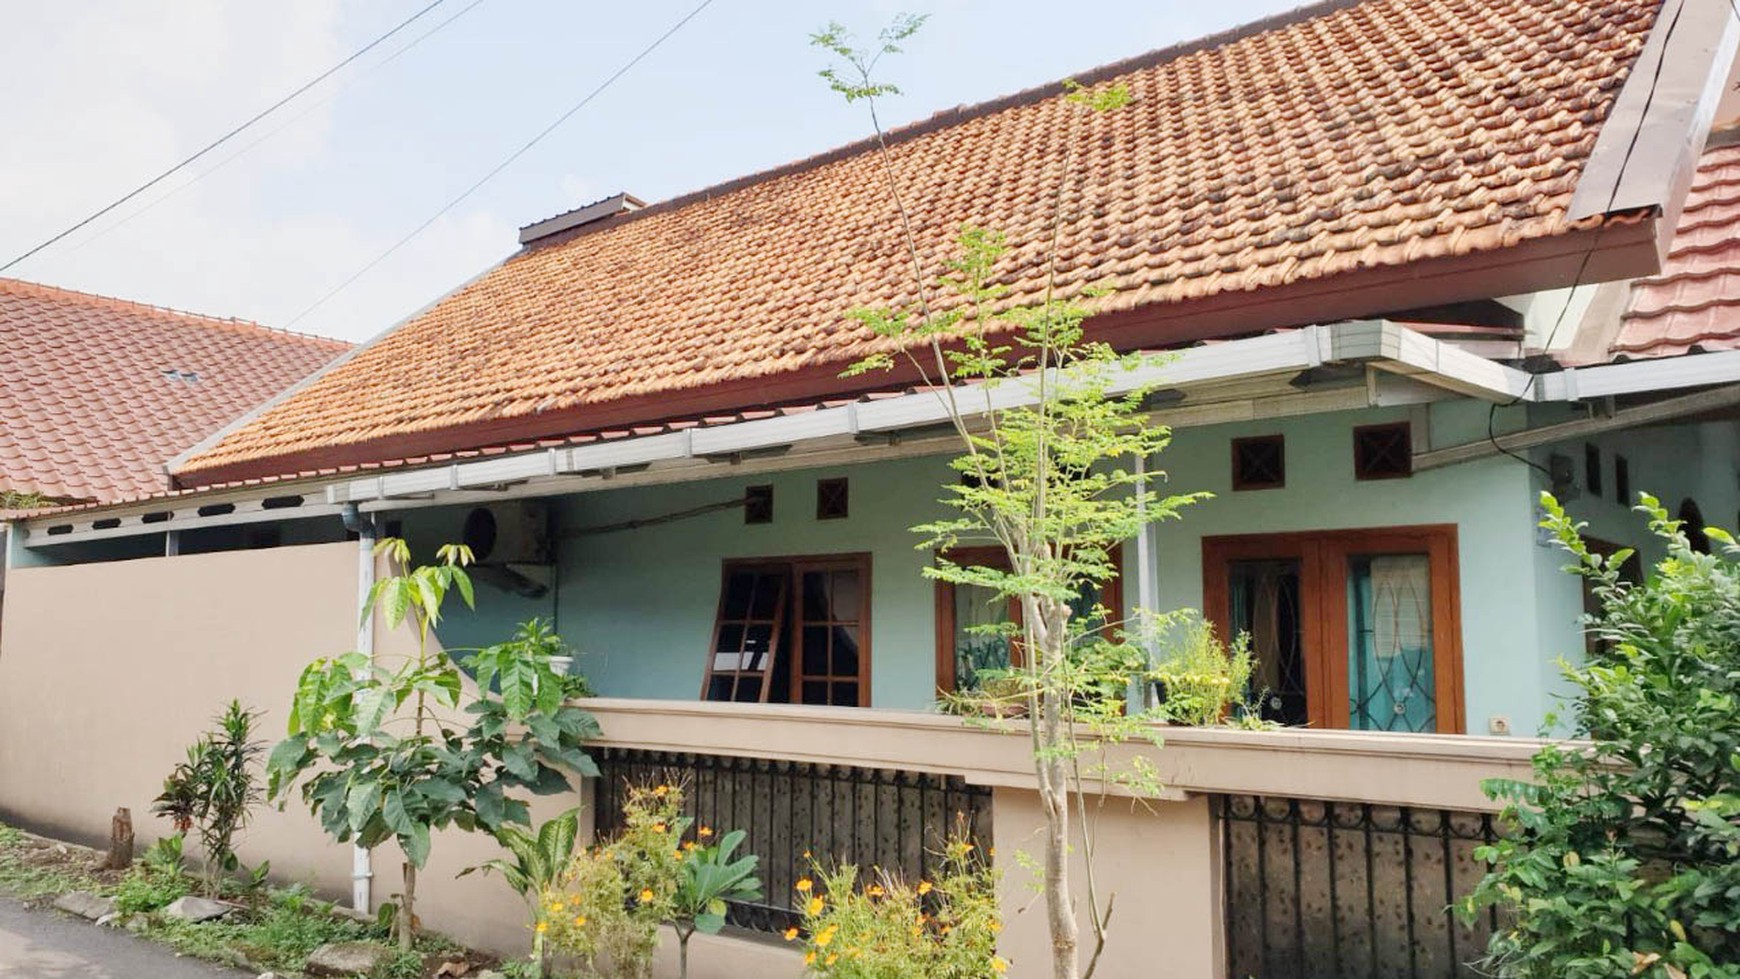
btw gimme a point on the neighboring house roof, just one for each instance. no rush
(96, 394)
(1315, 155)
(1694, 304)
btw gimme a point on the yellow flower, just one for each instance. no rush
(690, 845)
(814, 907)
(831, 960)
(658, 827)
(874, 890)
(646, 895)
(704, 832)
(809, 958)
(543, 926)
(555, 907)
(580, 921)
(996, 926)
(825, 936)
(925, 887)
(791, 934)
(999, 964)
(804, 884)
(662, 791)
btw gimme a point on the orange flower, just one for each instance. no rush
(826, 935)
(814, 907)
(662, 791)
(874, 890)
(580, 921)
(704, 832)
(659, 827)
(646, 896)
(925, 887)
(831, 960)
(791, 934)
(804, 884)
(809, 958)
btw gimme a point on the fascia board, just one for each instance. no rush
(1665, 374)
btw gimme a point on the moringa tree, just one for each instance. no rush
(1054, 473)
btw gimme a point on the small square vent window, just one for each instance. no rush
(1383, 451)
(1592, 468)
(831, 499)
(758, 504)
(1259, 463)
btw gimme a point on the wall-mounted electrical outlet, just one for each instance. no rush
(1498, 724)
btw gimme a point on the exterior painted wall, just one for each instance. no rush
(108, 671)
(639, 604)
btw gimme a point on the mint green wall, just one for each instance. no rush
(640, 604)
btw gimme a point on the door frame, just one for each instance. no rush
(1322, 557)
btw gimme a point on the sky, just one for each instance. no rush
(98, 96)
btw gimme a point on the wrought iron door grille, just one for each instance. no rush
(867, 816)
(1342, 889)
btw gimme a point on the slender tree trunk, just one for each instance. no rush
(1050, 620)
(683, 954)
(408, 910)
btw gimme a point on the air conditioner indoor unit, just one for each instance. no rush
(515, 532)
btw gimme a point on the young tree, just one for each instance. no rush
(378, 760)
(1053, 472)
(1625, 855)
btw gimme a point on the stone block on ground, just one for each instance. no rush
(197, 909)
(346, 959)
(85, 904)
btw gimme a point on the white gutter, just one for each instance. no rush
(830, 436)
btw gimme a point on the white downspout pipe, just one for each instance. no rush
(361, 862)
(1147, 587)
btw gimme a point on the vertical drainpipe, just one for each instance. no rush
(1147, 587)
(361, 867)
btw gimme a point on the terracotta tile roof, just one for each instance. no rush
(1361, 137)
(1694, 304)
(96, 394)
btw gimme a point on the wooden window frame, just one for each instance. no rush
(776, 643)
(1111, 596)
(1323, 559)
(788, 633)
(1239, 484)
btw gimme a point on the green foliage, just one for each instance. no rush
(854, 78)
(215, 790)
(154, 882)
(607, 905)
(1625, 855)
(944, 928)
(379, 755)
(1206, 681)
(535, 861)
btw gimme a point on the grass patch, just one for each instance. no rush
(276, 930)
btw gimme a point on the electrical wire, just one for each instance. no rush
(286, 124)
(1583, 265)
(504, 164)
(226, 137)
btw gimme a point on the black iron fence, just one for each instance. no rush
(1338, 889)
(795, 812)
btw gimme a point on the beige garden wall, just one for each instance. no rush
(108, 671)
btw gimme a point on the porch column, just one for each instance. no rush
(1147, 582)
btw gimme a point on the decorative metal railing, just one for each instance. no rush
(794, 812)
(1343, 889)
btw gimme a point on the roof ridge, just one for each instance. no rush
(944, 118)
(7, 284)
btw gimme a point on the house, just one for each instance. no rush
(1418, 263)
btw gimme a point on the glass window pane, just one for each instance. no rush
(848, 591)
(730, 637)
(757, 645)
(748, 689)
(975, 649)
(815, 692)
(815, 596)
(1390, 668)
(1264, 599)
(719, 688)
(739, 585)
(768, 588)
(815, 650)
(845, 650)
(845, 695)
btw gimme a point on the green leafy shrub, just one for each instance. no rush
(1205, 681)
(215, 790)
(889, 928)
(1625, 859)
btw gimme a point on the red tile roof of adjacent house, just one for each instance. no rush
(96, 394)
(1694, 304)
(1354, 139)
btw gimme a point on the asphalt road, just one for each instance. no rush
(44, 944)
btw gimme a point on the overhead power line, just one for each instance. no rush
(286, 124)
(504, 164)
(226, 137)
